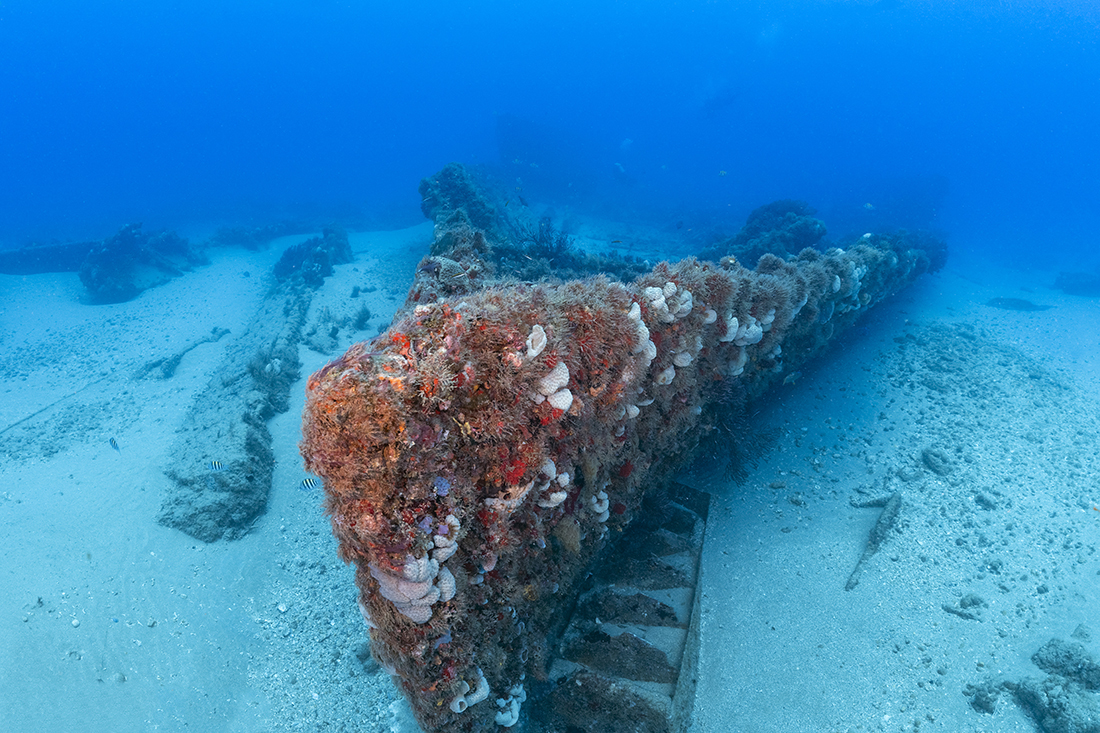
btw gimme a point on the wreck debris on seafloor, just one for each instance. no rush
(481, 455)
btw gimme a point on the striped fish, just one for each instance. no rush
(215, 465)
(308, 483)
(114, 444)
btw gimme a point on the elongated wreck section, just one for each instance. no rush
(479, 454)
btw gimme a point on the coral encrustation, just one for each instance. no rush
(478, 454)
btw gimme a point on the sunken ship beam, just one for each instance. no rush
(479, 455)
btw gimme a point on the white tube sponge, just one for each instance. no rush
(599, 506)
(553, 500)
(657, 304)
(427, 600)
(641, 329)
(536, 342)
(749, 333)
(737, 364)
(666, 376)
(731, 328)
(508, 715)
(481, 692)
(443, 552)
(684, 304)
(399, 590)
(446, 544)
(413, 599)
(555, 380)
(416, 614)
(446, 584)
(418, 569)
(465, 698)
(459, 704)
(561, 400)
(643, 336)
(556, 497)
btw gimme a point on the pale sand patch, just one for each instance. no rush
(170, 632)
(1012, 399)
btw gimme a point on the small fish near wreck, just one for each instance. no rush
(215, 465)
(114, 444)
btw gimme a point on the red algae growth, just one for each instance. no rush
(479, 455)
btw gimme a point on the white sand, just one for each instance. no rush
(785, 648)
(171, 632)
(263, 633)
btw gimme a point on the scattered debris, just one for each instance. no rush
(885, 523)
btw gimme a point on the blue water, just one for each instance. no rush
(978, 122)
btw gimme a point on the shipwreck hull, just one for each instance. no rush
(481, 455)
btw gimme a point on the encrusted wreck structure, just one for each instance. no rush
(481, 454)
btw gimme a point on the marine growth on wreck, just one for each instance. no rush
(479, 454)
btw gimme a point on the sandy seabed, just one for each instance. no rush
(986, 422)
(983, 420)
